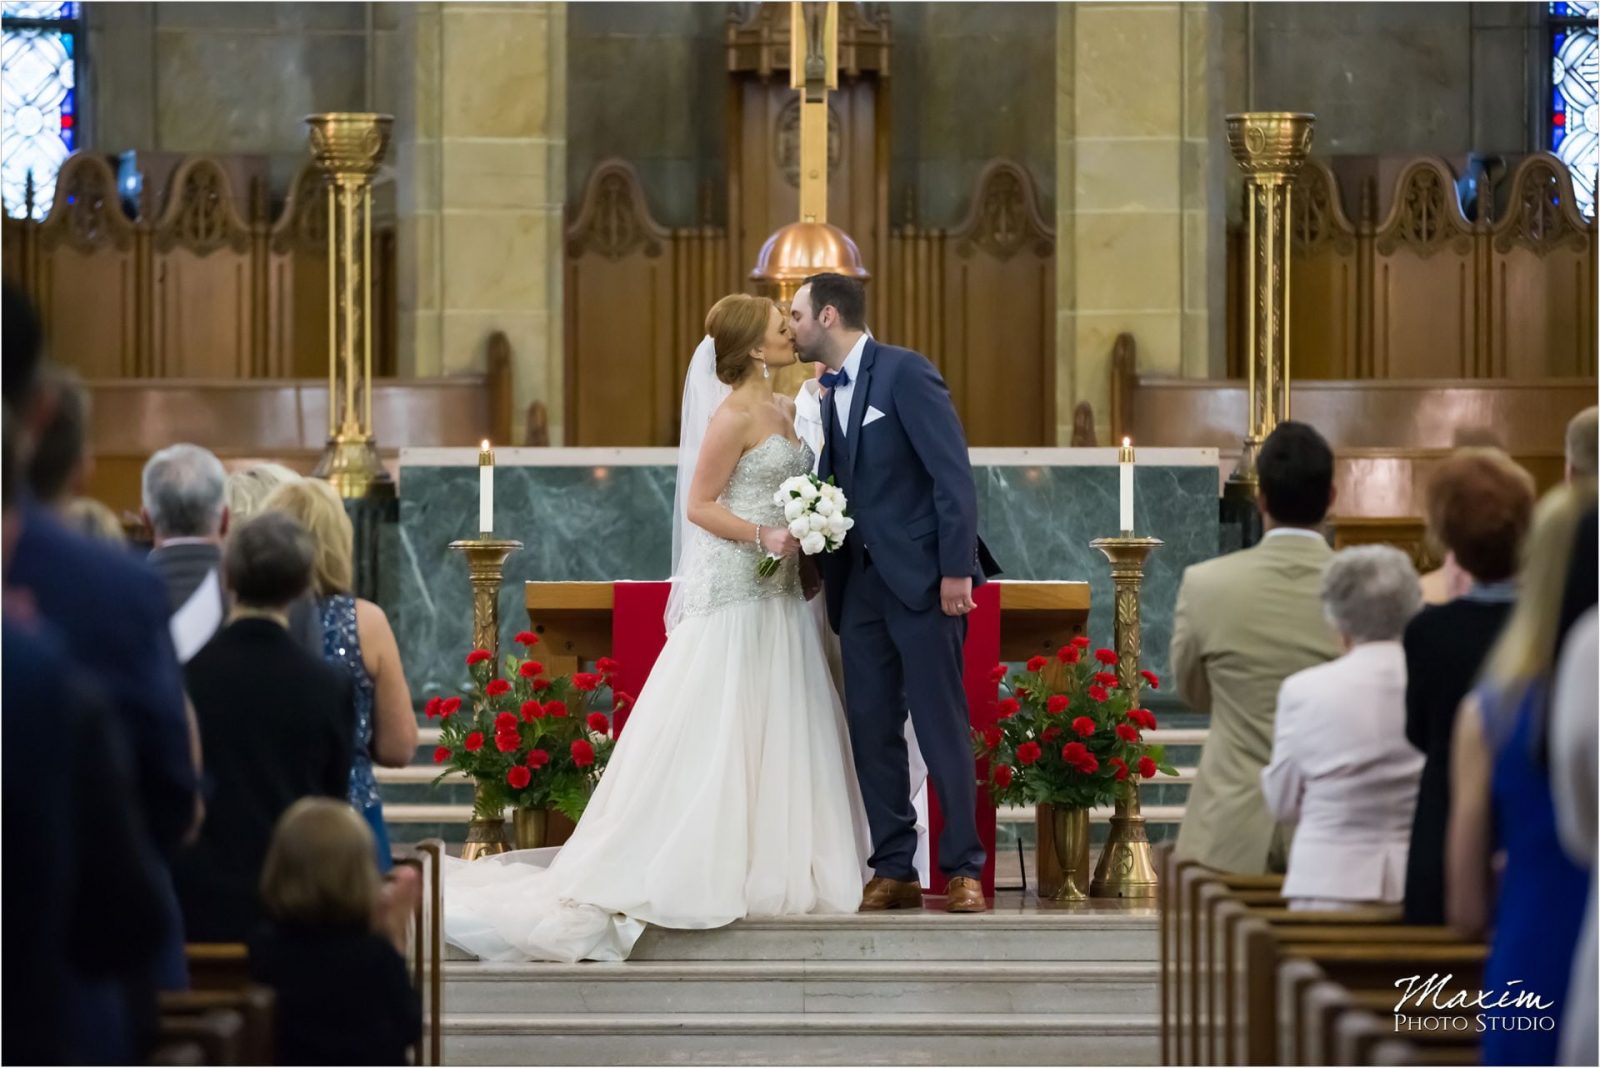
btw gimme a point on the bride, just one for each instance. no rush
(730, 793)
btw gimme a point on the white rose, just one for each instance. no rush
(818, 522)
(813, 543)
(825, 507)
(800, 527)
(849, 523)
(836, 524)
(808, 491)
(794, 510)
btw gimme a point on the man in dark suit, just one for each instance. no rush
(111, 616)
(276, 723)
(182, 492)
(899, 590)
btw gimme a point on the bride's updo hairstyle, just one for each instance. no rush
(737, 324)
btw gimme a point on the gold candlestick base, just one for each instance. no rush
(486, 563)
(1127, 866)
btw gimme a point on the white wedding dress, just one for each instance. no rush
(731, 791)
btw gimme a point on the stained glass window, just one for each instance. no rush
(38, 84)
(1575, 95)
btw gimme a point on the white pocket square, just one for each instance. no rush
(873, 415)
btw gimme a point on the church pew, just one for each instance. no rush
(284, 420)
(183, 1053)
(218, 1032)
(223, 966)
(254, 1003)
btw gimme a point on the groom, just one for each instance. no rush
(900, 589)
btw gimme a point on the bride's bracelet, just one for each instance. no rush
(758, 535)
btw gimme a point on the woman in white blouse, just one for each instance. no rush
(1341, 767)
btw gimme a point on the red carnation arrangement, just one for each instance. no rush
(1066, 733)
(528, 740)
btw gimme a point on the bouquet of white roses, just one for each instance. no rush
(817, 514)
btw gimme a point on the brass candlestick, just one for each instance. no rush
(1127, 867)
(349, 147)
(1270, 147)
(486, 562)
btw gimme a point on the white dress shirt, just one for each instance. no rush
(1343, 771)
(843, 394)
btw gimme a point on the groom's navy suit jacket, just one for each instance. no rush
(908, 480)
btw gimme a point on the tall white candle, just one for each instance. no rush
(486, 490)
(1125, 463)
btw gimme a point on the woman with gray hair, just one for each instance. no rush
(1341, 767)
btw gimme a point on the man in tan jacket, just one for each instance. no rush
(1245, 622)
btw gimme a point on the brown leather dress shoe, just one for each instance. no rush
(881, 894)
(965, 895)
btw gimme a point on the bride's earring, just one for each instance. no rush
(766, 372)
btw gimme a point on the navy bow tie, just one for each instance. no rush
(831, 379)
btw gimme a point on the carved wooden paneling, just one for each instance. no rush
(1542, 278)
(199, 290)
(1324, 329)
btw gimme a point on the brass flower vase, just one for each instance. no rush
(486, 835)
(1069, 833)
(536, 828)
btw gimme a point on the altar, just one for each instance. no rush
(604, 515)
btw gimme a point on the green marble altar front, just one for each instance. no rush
(605, 514)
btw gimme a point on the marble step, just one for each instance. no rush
(876, 986)
(444, 812)
(802, 1038)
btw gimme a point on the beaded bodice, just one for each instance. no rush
(341, 646)
(724, 572)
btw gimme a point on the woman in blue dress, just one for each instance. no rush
(1501, 803)
(356, 636)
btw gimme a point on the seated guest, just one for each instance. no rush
(249, 486)
(328, 950)
(110, 611)
(356, 637)
(1245, 622)
(1501, 804)
(1575, 778)
(1479, 505)
(183, 506)
(92, 519)
(1447, 582)
(1583, 444)
(1341, 768)
(275, 724)
(58, 464)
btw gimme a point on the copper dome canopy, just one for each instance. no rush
(800, 249)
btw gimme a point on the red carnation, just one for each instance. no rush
(621, 701)
(1098, 693)
(432, 707)
(530, 668)
(1088, 765)
(1121, 766)
(506, 741)
(1057, 704)
(1105, 678)
(1008, 707)
(441, 754)
(1002, 776)
(505, 721)
(598, 723)
(997, 673)
(585, 681)
(518, 776)
(526, 637)
(538, 758)
(1147, 767)
(992, 737)
(532, 710)
(1050, 734)
(1028, 752)
(1073, 752)
(451, 706)
(1022, 691)
(1127, 733)
(496, 687)
(1068, 654)
(478, 656)
(1084, 726)
(582, 753)
(607, 666)
(1143, 717)
(1151, 679)
(558, 709)
(1081, 642)
(1105, 656)
(541, 683)
(1037, 663)
(474, 742)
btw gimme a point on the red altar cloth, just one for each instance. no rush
(638, 634)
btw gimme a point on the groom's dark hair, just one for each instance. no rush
(848, 297)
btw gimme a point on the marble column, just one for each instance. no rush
(1139, 194)
(479, 94)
